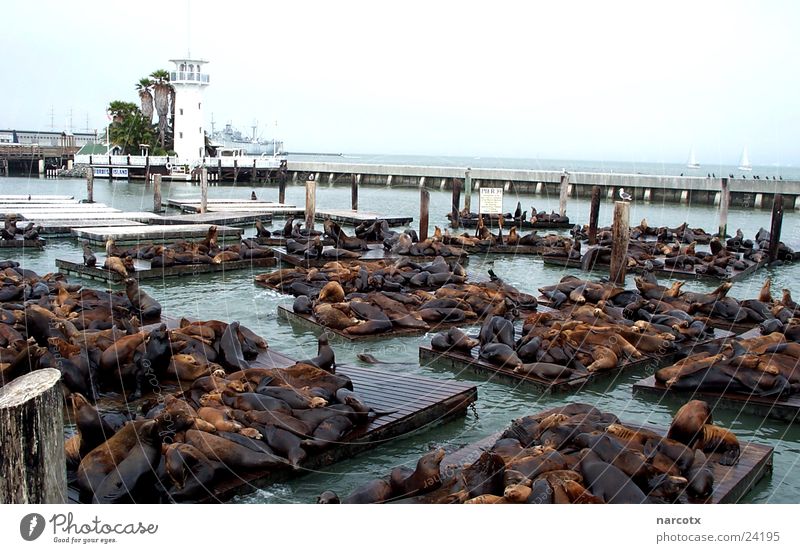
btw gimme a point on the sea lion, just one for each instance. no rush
(188, 368)
(115, 264)
(608, 482)
(328, 497)
(687, 424)
(92, 428)
(148, 307)
(331, 293)
(424, 479)
(375, 491)
(718, 439)
(104, 458)
(332, 317)
(89, 258)
(284, 443)
(501, 355)
(326, 358)
(231, 454)
(230, 349)
(135, 470)
(329, 432)
(191, 472)
(700, 477)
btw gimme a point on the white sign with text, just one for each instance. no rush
(491, 201)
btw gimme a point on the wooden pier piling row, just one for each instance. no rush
(786, 409)
(154, 233)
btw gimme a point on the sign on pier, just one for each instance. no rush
(491, 201)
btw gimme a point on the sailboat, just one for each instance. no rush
(744, 161)
(692, 163)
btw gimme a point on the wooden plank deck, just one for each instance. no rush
(61, 228)
(216, 218)
(144, 272)
(731, 484)
(376, 252)
(669, 273)
(13, 244)
(787, 410)
(458, 362)
(354, 218)
(122, 235)
(417, 402)
(35, 197)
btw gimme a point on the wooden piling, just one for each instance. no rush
(456, 203)
(203, 190)
(775, 227)
(424, 202)
(282, 187)
(468, 190)
(90, 186)
(594, 213)
(354, 193)
(724, 201)
(311, 201)
(563, 194)
(157, 193)
(147, 172)
(32, 461)
(620, 233)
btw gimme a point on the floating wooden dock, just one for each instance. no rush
(787, 409)
(193, 205)
(565, 263)
(731, 484)
(145, 272)
(416, 403)
(458, 362)
(33, 198)
(376, 252)
(235, 218)
(355, 218)
(155, 233)
(307, 322)
(12, 244)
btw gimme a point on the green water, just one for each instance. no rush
(234, 297)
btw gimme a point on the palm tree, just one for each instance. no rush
(162, 90)
(143, 87)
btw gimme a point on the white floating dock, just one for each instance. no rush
(34, 197)
(154, 233)
(192, 205)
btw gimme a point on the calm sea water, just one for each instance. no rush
(233, 296)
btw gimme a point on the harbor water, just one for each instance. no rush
(233, 296)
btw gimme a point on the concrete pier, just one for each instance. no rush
(648, 188)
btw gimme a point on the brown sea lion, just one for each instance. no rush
(332, 317)
(765, 294)
(115, 264)
(375, 491)
(225, 257)
(423, 479)
(609, 483)
(232, 454)
(718, 439)
(148, 307)
(135, 472)
(96, 464)
(326, 358)
(191, 472)
(188, 368)
(687, 424)
(332, 293)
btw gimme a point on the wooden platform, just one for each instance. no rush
(787, 410)
(156, 233)
(13, 244)
(376, 252)
(61, 228)
(307, 322)
(457, 361)
(418, 403)
(35, 198)
(731, 484)
(215, 218)
(355, 218)
(565, 263)
(144, 272)
(230, 205)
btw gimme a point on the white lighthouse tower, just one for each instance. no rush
(188, 80)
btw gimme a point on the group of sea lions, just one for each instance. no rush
(93, 337)
(365, 276)
(11, 230)
(236, 418)
(764, 366)
(382, 311)
(484, 239)
(519, 216)
(572, 454)
(181, 252)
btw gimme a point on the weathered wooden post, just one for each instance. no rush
(775, 227)
(90, 186)
(33, 467)
(455, 203)
(468, 190)
(594, 213)
(157, 193)
(147, 171)
(203, 190)
(311, 201)
(620, 232)
(354, 193)
(563, 194)
(424, 202)
(724, 201)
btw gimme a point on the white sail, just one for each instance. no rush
(744, 161)
(692, 163)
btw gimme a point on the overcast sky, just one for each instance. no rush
(635, 81)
